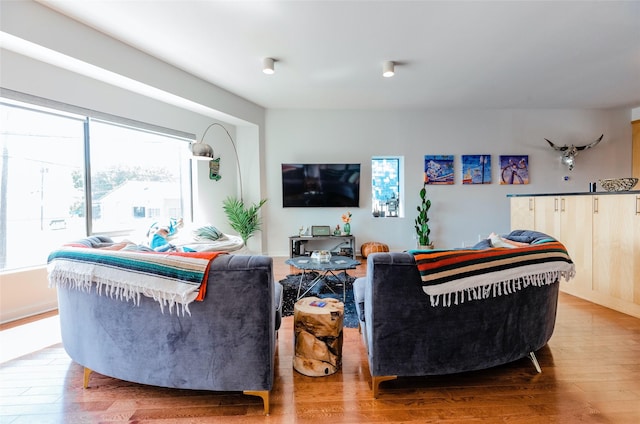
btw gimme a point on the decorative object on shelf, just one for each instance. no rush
(336, 232)
(569, 153)
(422, 220)
(618, 184)
(346, 218)
(203, 151)
(322, 256)
(245, 220)
(392, 205)
(214, 169)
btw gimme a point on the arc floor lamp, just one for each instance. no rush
(203, 151)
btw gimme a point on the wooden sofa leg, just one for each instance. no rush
(263, 394)
(85, 381)
(376, 380)
(533, 358)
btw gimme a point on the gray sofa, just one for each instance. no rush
(409, 333)
(227, 343)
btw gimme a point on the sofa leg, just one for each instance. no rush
(533, 358)
(85, 380)
(263, 394)
(376, 380)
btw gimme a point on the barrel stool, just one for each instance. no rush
(372, 247)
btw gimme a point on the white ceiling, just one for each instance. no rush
(451, 54)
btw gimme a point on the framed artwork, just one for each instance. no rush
(476, 169)
(514, 169)
(438, 169)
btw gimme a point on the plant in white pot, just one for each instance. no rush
(244, 220)
(422, 220)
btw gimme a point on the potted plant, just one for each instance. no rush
(244, 220)
(422, 220)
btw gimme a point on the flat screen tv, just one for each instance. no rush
(320, 185)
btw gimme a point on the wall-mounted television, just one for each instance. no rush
(320, 185)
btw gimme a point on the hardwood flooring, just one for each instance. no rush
(591, 374)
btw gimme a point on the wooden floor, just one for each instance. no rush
(591, 374)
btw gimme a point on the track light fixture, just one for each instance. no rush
(268, 66)
(388, 69)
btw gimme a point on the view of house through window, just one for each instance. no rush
(385, 186)
(137, 178)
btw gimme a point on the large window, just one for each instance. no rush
(385, 187)
(136, 177)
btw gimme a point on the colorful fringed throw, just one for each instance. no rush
(170, 278)
(455, 276)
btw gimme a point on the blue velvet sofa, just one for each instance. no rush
(413, 325)
(227, 342)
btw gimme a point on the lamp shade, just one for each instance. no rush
(201, 151)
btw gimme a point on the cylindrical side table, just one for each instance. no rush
(318, 336)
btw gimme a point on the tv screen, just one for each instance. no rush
(321, 185)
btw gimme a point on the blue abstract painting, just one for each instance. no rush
(514, 169)
(476, 169)
(438, 169)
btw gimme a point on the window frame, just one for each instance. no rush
(383, 212)
(36, 104)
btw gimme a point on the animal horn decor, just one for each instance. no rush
(570, 152)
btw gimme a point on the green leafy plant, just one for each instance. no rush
(422, 220)
(244, 220)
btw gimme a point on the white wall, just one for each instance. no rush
(459, 212)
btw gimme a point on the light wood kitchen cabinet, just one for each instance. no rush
(616, 250)
(601, 232)
(522, 213)
(576, 221)
(565, 219)
(547, 216)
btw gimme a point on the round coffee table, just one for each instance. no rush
(318, 336)
(336, 263)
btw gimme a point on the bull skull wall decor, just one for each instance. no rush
(570, 152)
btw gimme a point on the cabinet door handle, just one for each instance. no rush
(562, 204)
(637, 205)
(555, 204)
(595, 205)
(531, 204)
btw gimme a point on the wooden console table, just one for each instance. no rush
(297, 244)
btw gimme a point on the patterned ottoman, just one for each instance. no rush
(372, 247)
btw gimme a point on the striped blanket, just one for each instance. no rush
(170, 278)
(455, 276)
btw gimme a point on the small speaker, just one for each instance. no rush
(320, 230)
